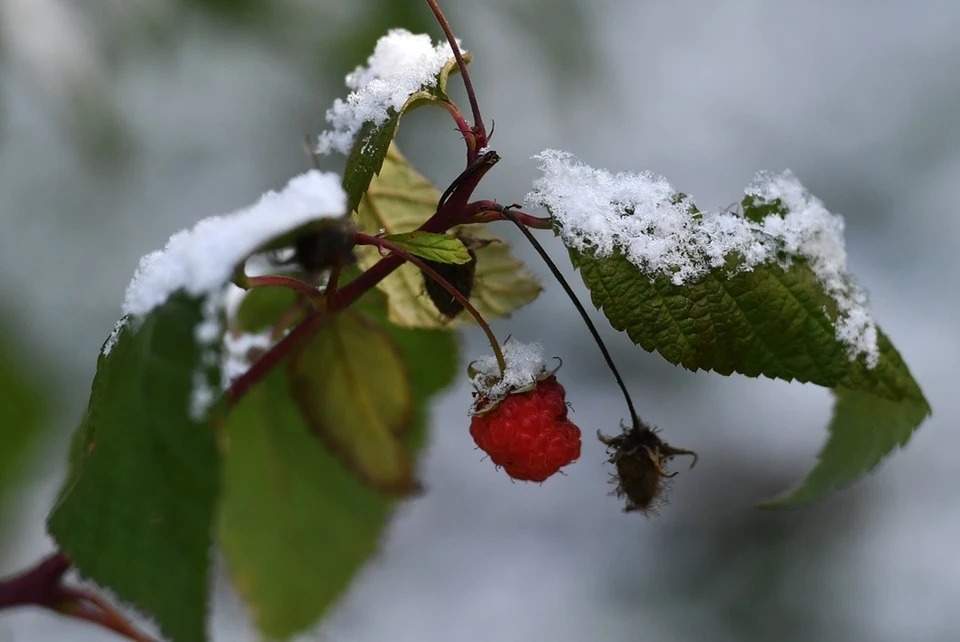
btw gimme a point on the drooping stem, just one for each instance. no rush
(365, 239)
(478, 128)
(510, 216)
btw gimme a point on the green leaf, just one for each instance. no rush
(771, 321)
(136, 512)
(23, 416)
(354, 391)
(399, 200)
(373, 141)
(864, 429)
(295, 524)
(441, 248)
(261, 308)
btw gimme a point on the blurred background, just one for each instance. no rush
(122, 121)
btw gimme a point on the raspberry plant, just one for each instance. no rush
(266, 391)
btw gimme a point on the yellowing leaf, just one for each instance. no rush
(399, 200)
(354, 391)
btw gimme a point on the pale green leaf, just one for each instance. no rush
(441, 248)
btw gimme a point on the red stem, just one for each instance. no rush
(366, 239)
(453, 212)
(464, 127)
(478, 129)
(42, 586)
(290, 283)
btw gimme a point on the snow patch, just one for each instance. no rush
(237, 350)
(402, 64)
(201, 261)
(656, 229)
(525, 364)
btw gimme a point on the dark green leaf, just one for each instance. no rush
(771, 321)
(441, 248)
(864, 429)
(137, 511)
(295, 524)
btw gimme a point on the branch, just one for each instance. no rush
(43, 586)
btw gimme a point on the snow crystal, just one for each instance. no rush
(202, 260)
(402, 63)
(644, 217)
(525, 364)
(236, 353)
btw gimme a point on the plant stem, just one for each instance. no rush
(488, 159)
(463, 127)
(42, 586)
(478, 128)
(490, 211)
(312, 293)
(452, 213)
(366, 239)
(510, 216)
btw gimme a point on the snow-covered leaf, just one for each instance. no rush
(399, 200)
(137, 510)
(405, 71)
(761, 289)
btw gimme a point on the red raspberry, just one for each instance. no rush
(528, 433)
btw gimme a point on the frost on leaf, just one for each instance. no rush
(402, 64)
(662, 233)
(201, 261)
(525, 366)
(404, 72)
(761, 290)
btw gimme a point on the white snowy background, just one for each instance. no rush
(106, 148)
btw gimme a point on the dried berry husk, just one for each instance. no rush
(325, 248)
(460, 276)
(639, 456)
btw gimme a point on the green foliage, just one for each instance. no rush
(864, 429)
(137, 512)
(353, 389)
(261, 308)
(373, 141)
(771, 322)
(295, 523)
(23, 416)
(399, 200)
(441, 248)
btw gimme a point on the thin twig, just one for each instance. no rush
(510, 216)
(461, 63)
(366, 239)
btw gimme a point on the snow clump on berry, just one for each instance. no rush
(402, 64)
(661, 232)
(525, 366)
